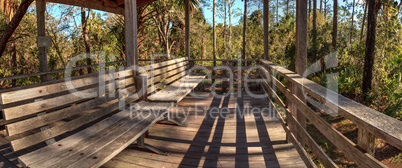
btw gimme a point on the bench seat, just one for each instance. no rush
(95, 145)
(176, 91)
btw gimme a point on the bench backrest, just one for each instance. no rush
(164, 73)
(42, 113)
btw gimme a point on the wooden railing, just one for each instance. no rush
(57, 71)
(371, 123)
(234, 65)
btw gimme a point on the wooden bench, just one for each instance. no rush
(169, 82)
(64, 128)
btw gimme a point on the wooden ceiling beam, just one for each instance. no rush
(102, 5)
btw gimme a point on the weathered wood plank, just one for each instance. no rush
(124, 131)
(378, 124)
(176, 91)
(157, 72)
(130, 29)
(35, 107)
(93, 114)
(166, 75)
(41, 27)
(73, 140)
(40, 91)
(336, 138)
(318, 152)
(162, 64)
(166, 82)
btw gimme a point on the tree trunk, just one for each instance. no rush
(364, 20)
(85, 32)
(353, 19)
(22, 9)
(287, 6)
(230, 24)
(277, 11)
(325, 8)
(335, 25)
(244, 30)
(315, 30)
(13, 50)
(214, 38)
(321, 6)
(309, 7)
(13, 54)
(202, 49)
(370, 46)
(224, 29)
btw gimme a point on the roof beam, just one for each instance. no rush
(102, 5)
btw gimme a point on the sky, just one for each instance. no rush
(239, 4)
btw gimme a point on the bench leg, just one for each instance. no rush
(141, 143)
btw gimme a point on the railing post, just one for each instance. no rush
(42, 40)
(141, 86)
(224, 82)
(289, 105)
(366, 141)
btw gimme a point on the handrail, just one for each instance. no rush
(372, 121)
(228, 60)
(55, 71)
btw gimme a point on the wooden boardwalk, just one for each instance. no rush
(217, 136)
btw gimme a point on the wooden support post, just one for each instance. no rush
(141, 85)
(266, 29)
(130, 23)
(301, 54)
(225, 82)
(366, 141)
(187, 22)
(41, 24)
(292, 110)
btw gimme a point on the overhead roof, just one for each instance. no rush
(113, 6)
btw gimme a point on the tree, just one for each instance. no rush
(314, 29)
(85, 33)
(335, 25)
(352, 28)
(363, 22)
(8, 7)
(244, 29)
(21, 11)
(370, 46)
(214, 31)
(320, 6)
(230, 5)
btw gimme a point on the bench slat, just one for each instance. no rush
(25, 94)
(47, 104)
(176, 91)
(93, 114)
(125, 131)
(165, 75)
(48, 151)
(36, 122)
(156, 72)
(162, 64)
(165, 82)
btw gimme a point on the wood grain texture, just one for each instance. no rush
(176, 91)
(38, 106)
(40, 91)
(378, 124)
(93, 114)
(157, 72)
(162, 64)
(102, 144)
